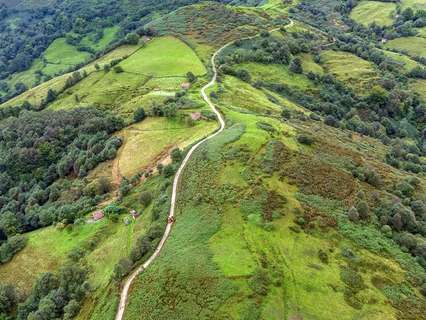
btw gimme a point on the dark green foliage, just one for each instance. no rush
(145, 198)
(125, 187)
(139, 114)
(118, 69)
(353, 214)
(305, 139)
(11, 246)
(113, 211)
(131, 38)
(296, 66)
(323, 256)
(122, 268)
(52, 294)
(176, 155)
(36, 149)
(8, 299)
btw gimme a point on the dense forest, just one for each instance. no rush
(37, 150)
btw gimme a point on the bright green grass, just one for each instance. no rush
(60, 52)
(46, 251)
(367, 12)
(414, 4)
(414, 46)
(275, 73)
(359, 75)
(309, 65)
(405, 62)
(108, 37)
(164, 57)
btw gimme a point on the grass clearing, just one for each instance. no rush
(309, 65)
(61, 53)
(147, 141)
(164, 57)
(368, 12)
(413, 46)
(361, 75)
(275, 73)
(406, 63)
(46, 250)
(108, 36)
(413, 4)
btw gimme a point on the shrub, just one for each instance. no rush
(259, 282)
(145, 198)
(296, 65)
(305, 139)
(122, 268)
(363, 210)
(139, 114)
(353, 214)
(176, 155)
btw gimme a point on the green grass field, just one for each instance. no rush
(406, 63)
(108, 36)
(309, 65)
(164, 57)
(414, 46)
(368, 12)
(414, 4)
(360, 75)
(277, 74)
(61, 53)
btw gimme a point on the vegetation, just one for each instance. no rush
(310, 203)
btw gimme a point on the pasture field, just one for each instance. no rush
(368, 12)
(62, 53)
(277, 74)
(309, 65)
(406, 63)
(149, 142)
(46, 250)
(38, 93)
(360, 75)
(150, 75)
(164, 57)
(413, 4)
(107, 37)
(413, 46)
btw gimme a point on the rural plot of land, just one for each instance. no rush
(149, 75)
(414, 46)
(359, 76)
(368, 12)
(164, 57)
(149, 142)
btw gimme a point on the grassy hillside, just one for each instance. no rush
(360, 75)
(270, 269)
(413, 46)
(164, 57)
(309, 205)
(368, 12)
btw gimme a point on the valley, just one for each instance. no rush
(223, 160)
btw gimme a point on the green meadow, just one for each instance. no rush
(413, 46)
(368, 12)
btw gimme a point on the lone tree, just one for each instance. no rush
(296, 66)
(131, 38)
(139, 114)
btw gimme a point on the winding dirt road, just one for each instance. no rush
(137, 271)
